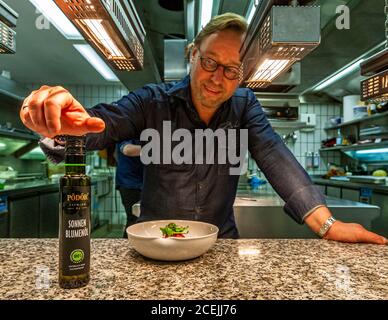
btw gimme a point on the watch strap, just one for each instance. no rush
(326, 226)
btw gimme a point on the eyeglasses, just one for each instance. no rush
(210, 65)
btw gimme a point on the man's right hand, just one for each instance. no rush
(52, 111)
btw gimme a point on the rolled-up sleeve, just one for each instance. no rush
(279, 165)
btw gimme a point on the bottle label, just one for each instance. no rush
(75, 230)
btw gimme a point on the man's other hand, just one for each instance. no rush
(340, 231)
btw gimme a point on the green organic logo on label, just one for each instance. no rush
(77, 256)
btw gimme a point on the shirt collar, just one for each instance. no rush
(181, 89)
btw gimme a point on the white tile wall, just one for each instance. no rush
(311, 141)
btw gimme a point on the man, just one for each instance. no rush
(129, 177)
(208, 98)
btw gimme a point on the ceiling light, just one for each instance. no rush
(206, 12)
(94, 59)
(112, 28)
(252, 9)
(51, 11)
(348, 69)
(269, 70)
(372, 151)
(96, 27)
(342, 73)
(285, 35)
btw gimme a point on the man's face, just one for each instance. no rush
(211, 89)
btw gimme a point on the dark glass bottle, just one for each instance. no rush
(74, 220)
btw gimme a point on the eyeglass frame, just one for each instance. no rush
(225, 67)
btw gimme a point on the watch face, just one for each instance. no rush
(326, 226)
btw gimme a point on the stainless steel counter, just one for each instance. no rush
(43, 185)
(350, 185)
(30, 208)
(259, 214)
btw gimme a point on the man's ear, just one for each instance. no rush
(193, 53)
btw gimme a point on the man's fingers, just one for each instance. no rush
(56, 100)
(37, 114)
(95, 124)
(26, 119)
(370, 237)
(353, 233)
(53, 110)
(52, 113)
(80, 124)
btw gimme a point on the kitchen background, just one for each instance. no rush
(308, 135)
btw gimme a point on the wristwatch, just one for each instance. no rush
(326, 226)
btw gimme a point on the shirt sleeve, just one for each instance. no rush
(124, 119)
(283, 171)
(122, 144)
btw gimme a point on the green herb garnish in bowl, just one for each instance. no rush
(173, 230)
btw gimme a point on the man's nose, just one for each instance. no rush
(218, 75)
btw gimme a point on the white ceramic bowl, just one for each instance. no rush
(147, 239)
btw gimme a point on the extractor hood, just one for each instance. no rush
(112, 27)
(277, 38)
(175, 62)
(279, 106)
(282, 111)
(8, 19)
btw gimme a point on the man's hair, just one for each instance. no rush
(228, 20)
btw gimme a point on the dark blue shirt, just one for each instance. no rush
(204, 192)
(129, 170)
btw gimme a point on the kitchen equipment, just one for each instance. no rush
(360, 112)
(349, 104)
(146, 238)
(8, 19)
(367, 179)
(339, 178)
(115, 20)
(7, 173)
(278, 37)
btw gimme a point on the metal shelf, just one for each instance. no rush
(19, 134)
(358, 121)
(331, 149)
(289, 124)
(357, 147)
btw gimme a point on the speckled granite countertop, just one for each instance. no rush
(232, 269)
